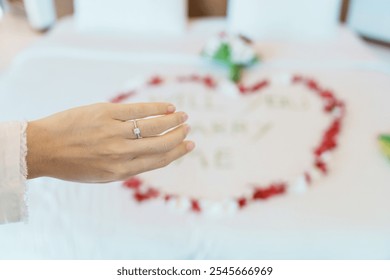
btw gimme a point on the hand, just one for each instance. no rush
(96, 143)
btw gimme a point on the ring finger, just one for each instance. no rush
(152, 126)
(157, 145)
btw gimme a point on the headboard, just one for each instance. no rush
(196, 8)
(200, 8)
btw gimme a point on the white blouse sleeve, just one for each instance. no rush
(13, 172)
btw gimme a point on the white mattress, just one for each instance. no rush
(346, 216)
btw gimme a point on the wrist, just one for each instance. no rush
(36, 158)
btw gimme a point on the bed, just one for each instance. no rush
(346, 216)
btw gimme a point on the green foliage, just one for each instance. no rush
(224, 57)
(223, 54)
(384, 142)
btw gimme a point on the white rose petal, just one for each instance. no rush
(172, 203)
(211, 208)
(336, 112)
(326, 157)
(299, 186)
(183, 203)
(228, 88)
(230, 206)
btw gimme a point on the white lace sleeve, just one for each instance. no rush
(13, 172)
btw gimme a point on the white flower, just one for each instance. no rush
(212, 46)
(242, 55)
(240, 51)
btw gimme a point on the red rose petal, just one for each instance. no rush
(133, 183)
(195, 206)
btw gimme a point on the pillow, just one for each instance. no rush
(40, 13)
(284, 19)
(132, 16)
(370, 18)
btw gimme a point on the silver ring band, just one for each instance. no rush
(136, 130)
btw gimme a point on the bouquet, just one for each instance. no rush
(233, 51)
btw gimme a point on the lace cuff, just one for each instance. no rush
(13, 172)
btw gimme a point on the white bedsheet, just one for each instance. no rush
(347, 214)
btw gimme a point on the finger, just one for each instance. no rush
(160, 144)
(133, 111)
(150, 162)
(153, 126)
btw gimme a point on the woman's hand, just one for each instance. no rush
(96, 143)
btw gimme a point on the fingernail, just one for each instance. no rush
(188, 129)
(190, 146)
(171, 109)
(184, 117)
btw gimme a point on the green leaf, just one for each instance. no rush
(255, 60)
(384, 138)
(223, 53)
(235, 72)
(384, 143)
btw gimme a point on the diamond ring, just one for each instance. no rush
(136, 130)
